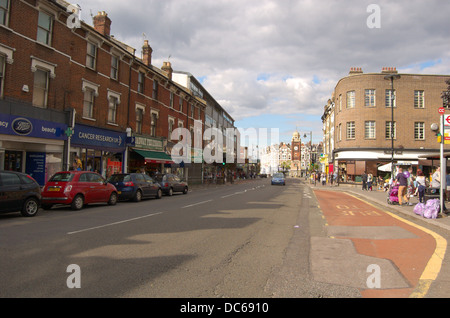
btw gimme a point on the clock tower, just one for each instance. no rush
(296, 146)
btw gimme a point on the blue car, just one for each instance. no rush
(135, 186)
(278, 178)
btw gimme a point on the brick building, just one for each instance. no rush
(357, 120)
(79, 92)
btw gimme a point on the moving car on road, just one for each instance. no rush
(135, 186)
(77, 188)
(19, 192)
(278, 178)
(171, 183)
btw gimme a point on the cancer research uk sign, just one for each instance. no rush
(30, 127)
(98, 138)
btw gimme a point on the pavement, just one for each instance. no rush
(380, 197)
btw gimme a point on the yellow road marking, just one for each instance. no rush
(435, 262)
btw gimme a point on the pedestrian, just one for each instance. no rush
(369, 181)
(421, 185)
(436, 180)
(402, 186)
(364, 180)
(323, 178)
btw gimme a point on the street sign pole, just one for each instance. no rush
(443, 163)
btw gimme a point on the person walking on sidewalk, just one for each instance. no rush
(402, 186)
(421, 185)
(369, 182)
(364, 180)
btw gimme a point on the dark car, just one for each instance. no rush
(77, 188)
(171, 183)
(19, 192)
(135, 186)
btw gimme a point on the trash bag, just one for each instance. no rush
(432, 209)
(419, 209)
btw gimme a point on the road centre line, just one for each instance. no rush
(115, 223)
(191, 205)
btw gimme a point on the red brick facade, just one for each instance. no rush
(66, 60)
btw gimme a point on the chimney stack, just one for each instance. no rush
(356, 70)
(147, 53)
(167, 67)
(102, 24)
(389, 70)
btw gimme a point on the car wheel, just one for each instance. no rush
(185, 191)
(77, 202)
(159, 194)
(113, 199)
(170, 192)
(138, 196)
(30, 207)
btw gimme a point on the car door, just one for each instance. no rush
(140, 182)
(84, 185)
(100, 192)
(152, 186)
(177, 186)
(10, 192)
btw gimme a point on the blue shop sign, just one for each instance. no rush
(30, 127)
(87, 136)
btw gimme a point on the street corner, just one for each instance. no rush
(360, 235)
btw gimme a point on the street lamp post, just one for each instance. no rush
(391, 77)
(310, 151)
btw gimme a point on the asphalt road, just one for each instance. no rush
(248, 240)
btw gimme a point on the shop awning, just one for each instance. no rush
(154, 156)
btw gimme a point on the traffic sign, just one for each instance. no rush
(441, 110)
(447, 120)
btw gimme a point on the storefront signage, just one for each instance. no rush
(95, 137)
(30, 127)
(35, 166)
(148, 143)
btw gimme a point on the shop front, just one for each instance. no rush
(147, 154)
(99, 150)
(32, 146)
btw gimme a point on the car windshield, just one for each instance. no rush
(119, 178)
(62, 177)
(278, 175)
(158, 177)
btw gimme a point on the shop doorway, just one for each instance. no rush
(13, 160)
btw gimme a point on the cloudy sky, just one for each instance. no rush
(275, 63)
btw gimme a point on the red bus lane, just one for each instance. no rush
(400, 250)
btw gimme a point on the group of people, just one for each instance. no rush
(410, 185)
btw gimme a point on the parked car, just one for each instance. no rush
(278, 178)
(135, 186)
(77, 188)
(171, 183)
(19, 192)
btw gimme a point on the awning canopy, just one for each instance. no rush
(154, 156)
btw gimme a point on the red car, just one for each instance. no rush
(77, 188)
